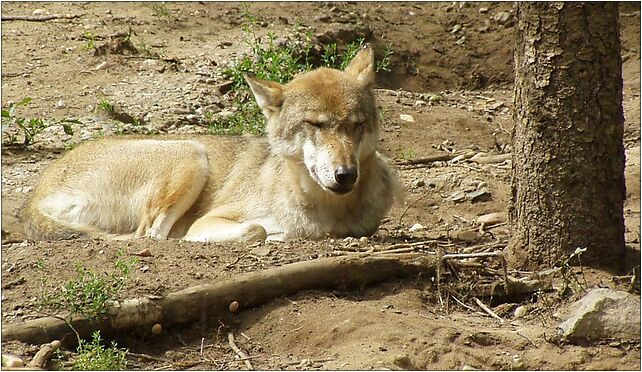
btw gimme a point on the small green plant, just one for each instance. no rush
(571, 281)
(384, 63)
(28, 128)
(405, 153)
(90, 38)
(105, 105)
(93, 356)
(160, 11)
(89, 293)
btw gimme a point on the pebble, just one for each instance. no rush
(467, 235)
(520, 311)
(102, 66)
(12, 361)
(39, 11)
(261, 251)
(406, 117)
(456, 28)
(516, 363)
(144, 253)
(416, 227)
(502, 17)
(492, 218)
(483, 10)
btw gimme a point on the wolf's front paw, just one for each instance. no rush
(252, 232)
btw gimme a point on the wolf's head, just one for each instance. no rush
(325, 118)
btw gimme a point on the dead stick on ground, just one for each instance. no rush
(39, 18)
(43, 355)
(488, 310)
(427, 160)
(472, 255)
(249, 289)
(239, 352)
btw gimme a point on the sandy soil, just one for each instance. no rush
(460, 51)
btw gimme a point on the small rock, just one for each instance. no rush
(144, 269)
(458, 196)
(492, 218)
(60, 104)
(483, 10)
(456, 28)
(502, 17)
(466, 367)
(261, 251)
(520, 311)
(102, 66)
(12, 361)
(363, 240)
(39, 11)
(225, 87)
(516, 363)
(478, 195)
(467, 235)
(322, 18)
(144, 253)
(407, 118)
(603, 313)
(416, 227)
(434, 98)
(420, 103)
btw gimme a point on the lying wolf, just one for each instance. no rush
(317, 173)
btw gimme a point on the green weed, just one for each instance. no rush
(90, 42)
(89, 293)
(93, 356)
(405, 153)
(160, 11)
(28, 128)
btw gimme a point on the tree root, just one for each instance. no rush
(212, 300)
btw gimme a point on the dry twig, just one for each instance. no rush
(43, 18)
(241, 354)
(488, 310)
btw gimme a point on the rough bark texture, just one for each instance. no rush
(568, 159)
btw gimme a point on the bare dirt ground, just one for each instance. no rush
(459, 51)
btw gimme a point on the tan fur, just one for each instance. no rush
(316, 174)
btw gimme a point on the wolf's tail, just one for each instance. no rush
(40, 226)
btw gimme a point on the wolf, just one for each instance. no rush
(316, 173)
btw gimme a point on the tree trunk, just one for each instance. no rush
(568, 158)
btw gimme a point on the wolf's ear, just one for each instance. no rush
(362, 66)
(268, 94)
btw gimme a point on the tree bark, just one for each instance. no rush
(568, 158)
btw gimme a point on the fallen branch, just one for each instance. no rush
(242, 355)
(43, 355)
(213, 300)
(488, 310)
(39, 18)
(427, 160)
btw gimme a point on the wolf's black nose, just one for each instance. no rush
(345, 176)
